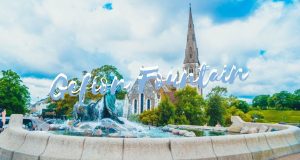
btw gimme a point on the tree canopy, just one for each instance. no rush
(14, 95)
(166, 112)
(104, 71)
(216, 106)
(190, 106)
(283, 100)
(241, 104)
(261, 101)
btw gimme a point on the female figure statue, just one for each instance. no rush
(109, 108)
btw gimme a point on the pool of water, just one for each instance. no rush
(147, 132)
(201, 133)
(153, 132)
(110, 128)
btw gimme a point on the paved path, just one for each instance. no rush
(290, 157)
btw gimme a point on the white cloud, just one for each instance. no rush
(131, 32)
(44, 37)
(271, 27)
(38, 88)
(274, 28)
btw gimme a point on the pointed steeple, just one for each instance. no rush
(191, 50)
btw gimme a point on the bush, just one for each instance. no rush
(149, 117)
(256, 115)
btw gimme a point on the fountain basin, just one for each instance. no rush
(19, 144)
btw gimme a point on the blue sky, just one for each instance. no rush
(40, 39)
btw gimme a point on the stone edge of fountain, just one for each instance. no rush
(19, 144)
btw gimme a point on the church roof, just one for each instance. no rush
(191, 50)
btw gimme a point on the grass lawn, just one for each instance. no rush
(281, 116)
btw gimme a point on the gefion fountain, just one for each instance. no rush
(107, 136)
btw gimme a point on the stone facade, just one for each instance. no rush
(139, 102)
(144, 101)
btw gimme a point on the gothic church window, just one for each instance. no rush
(142, 103)
(135, 106)
(191, 70)
(148, 104)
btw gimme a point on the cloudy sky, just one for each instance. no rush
(41, 38)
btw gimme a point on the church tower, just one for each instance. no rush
(191, 61)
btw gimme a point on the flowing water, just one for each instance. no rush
(97, 126)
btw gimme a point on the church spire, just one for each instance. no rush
(191, 50)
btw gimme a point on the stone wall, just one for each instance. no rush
(19, 144)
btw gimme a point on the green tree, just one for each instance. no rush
(296, 100)
(190, 107)
(239, 104)
(297, 92)
(162, 115)
(242, 105)
(181, 119)
(216, 106)
(261, 101)
(14, 95)
(104, 72)
(281, 101)
(231, 100)
(166, 112)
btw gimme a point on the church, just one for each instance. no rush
(137, 103)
